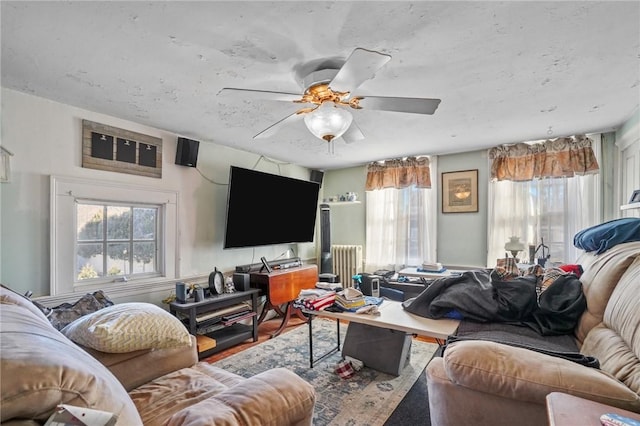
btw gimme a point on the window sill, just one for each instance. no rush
(121, 290)
(630, 206)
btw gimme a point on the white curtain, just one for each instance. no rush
(401, 226)
(553, 210)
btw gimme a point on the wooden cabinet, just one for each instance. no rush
(283, 287)
(217, 317)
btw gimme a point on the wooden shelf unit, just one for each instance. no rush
(230, 332)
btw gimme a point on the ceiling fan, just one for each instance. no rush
(328, 91)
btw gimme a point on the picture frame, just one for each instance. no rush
(117, 150)
(460, 191)
(635, 197)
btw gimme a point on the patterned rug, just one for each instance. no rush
(367, 398)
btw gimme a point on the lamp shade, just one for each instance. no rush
(514, 245)
(328, 122)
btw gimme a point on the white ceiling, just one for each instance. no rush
(506, 71)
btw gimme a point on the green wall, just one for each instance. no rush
(462, 237)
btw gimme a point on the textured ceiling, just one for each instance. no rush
(505, 71)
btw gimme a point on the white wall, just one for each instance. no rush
(46, 138)
(628, 142)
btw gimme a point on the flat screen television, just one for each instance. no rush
(264, 209)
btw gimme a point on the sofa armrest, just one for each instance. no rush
(136, 368)
(273, 397)
(528, 376)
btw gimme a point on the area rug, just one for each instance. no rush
(367, 398)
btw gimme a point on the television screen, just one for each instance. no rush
(265, 209)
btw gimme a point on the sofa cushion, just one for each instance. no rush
(136, 368)
(524, 375)
(128, 327)
(41, 368)
(207, 395)
(601, 274)
(616, 342)
(8, 296)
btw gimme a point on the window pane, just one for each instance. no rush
(118, 259)
(144, 257)
(118, 223)
(89, 261)
(144, 223)
(89, 222)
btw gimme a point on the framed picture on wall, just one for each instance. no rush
(460, 191)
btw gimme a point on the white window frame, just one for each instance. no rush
(64, 193)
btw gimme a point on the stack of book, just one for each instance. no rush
(350, 299)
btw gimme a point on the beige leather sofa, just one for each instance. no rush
(485, 383)
(41, 368)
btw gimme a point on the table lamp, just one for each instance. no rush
(514, 245)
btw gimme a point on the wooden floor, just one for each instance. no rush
(265, 330)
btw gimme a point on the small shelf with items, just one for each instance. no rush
(341, 203)
(344, 199)
(220, 319)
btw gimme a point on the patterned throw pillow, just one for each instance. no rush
(128, 327)
(62, 315)
(506, 269)
(549, 277)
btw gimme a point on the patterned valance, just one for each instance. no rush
(564, 157)
(399, 173)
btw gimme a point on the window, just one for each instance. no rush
(112, 235)
(116, 240)
(551, 210)
(401, 226)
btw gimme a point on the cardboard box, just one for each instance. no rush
(205, 343)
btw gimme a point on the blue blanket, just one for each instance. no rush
(601, 238)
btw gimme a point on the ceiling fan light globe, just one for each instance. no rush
(328, 121)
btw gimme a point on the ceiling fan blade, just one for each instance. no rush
(353, 133)
(361, 65)
(259, 94)
(273, 129)
(410, 105)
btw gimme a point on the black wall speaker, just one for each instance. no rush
(316, 176)
(241, 281)
(326, 261)
(187, 152)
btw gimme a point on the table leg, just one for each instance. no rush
(333, 350)
(267, 307)
(263, 314)
(285, 319)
